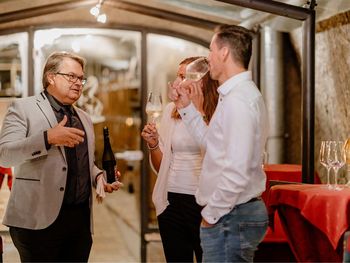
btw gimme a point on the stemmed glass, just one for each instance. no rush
(347, 155)
(196, 69)
(324, 154)
(336, 159)
(265, 158)
(154, 106)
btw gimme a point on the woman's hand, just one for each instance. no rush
(150, 134)
(196, 95)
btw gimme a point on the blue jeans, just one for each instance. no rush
(235, 237)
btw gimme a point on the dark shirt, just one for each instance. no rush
(78, 184)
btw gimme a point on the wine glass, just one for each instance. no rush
(324, 153)
(337, 159)
(196, 69)
(154, 106)
(347, 156)
(265, 158)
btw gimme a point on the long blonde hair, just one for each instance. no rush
(209, 92)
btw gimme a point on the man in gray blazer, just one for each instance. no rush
(50, 143)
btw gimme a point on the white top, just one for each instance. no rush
(186, 162)
(232, 173)
(172, 131)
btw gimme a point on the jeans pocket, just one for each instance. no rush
(212, 243)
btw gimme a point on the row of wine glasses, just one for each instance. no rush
(194, 72)
(333, 156)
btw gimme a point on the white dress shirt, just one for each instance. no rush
(232, 171)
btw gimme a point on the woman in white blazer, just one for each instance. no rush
(177, 158)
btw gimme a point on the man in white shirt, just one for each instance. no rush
(234, 218)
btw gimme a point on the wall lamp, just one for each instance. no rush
(96, 12)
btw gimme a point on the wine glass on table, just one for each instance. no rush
(337, 159)
(154, 106)
(324, 153)
(347, 156)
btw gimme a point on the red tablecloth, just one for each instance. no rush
(281, 172)
(314, 219)
(7, 171)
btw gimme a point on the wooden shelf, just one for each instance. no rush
(10, 66)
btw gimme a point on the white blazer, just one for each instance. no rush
(40, 175)
(160, 191)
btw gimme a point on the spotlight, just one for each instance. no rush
(102, 18)
(95, 11)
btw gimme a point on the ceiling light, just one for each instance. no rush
(95, 10)
(102, 18)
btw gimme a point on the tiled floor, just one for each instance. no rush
(116, 237)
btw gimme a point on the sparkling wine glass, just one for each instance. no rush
(337, 159)
(265, 159)
(197, 69)
(154, 106)
(324, 153)
(347, 155)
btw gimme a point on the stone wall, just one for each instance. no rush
(332, 80)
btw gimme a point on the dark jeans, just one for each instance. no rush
(179, 228)
(68, 239)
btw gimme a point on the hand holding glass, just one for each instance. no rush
(196, 69)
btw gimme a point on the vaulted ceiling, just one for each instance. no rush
(194, 18)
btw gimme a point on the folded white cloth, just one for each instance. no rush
(100, 187)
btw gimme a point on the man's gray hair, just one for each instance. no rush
(54, 61)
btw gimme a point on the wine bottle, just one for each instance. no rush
(108, 159)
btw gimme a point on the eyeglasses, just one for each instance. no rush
(73, 78)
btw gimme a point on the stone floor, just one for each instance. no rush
(117, 231)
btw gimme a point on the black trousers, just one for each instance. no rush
(179, 228)
(68, 239)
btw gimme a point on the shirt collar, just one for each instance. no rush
(58, 105)
(232, 82)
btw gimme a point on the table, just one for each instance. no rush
(275, 246)
(314, 219)
(281, 172)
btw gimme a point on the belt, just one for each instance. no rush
(250, 201)
(254, 199)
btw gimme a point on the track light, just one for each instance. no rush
(96, 12)
(102, 18)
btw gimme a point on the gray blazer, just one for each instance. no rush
(40, 175)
